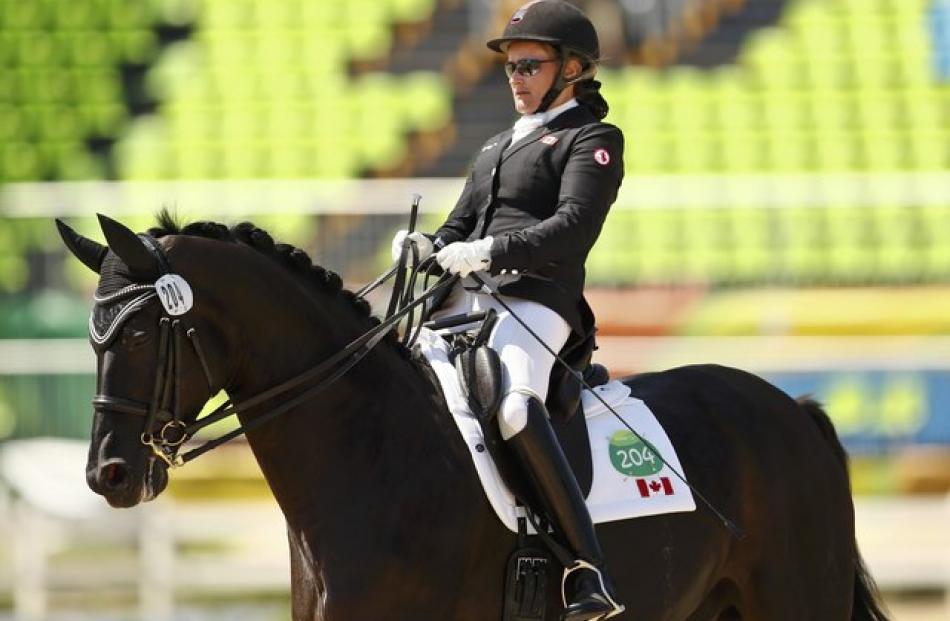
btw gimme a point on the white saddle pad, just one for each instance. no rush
(629, 479)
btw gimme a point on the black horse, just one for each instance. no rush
(385, 514)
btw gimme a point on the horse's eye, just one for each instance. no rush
(132, 338)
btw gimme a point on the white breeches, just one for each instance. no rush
(526, 365)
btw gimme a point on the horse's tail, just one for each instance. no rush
(867, 605)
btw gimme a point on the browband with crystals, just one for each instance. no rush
(110, 313)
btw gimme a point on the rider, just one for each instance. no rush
(530, 211)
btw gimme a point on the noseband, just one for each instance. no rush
(165, 428)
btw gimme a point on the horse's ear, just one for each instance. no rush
(129, 247)
(90, 252)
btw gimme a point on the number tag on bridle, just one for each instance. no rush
(175, 294)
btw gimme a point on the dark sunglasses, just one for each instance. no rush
(526, 67)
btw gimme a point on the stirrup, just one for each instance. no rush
(582, 564)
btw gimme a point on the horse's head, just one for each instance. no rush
(160, 353)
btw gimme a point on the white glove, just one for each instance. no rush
(422, 244)
(463, 258)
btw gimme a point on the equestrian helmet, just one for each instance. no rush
(554, 22)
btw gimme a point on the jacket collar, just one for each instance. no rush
(575, 117)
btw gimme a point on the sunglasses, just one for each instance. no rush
(526, 67)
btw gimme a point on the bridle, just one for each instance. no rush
(165, 427)
(165, 430)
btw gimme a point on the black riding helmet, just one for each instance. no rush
(558, 24)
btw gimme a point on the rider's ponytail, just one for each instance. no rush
(587, 92)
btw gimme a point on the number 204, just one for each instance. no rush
(635, 456)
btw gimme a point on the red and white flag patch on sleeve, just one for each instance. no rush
(658, 486)
(602, 156)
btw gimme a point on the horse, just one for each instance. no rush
(385, 515)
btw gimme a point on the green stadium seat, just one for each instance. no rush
(649, 153)
(850, 255)
(20, 161)
(743, 151)
(11, 123)
(313, 14)
(694, 151)
(131, 14)
(70, 161)
(938, 246)
(802, 246)
(789, 150)
(74, 15)
(135, 45)
(268, 15)
(835, 151)
(142, 154)
(408, 11)
(929, 110)
(99, 85)
(171, 77)
(820, 41)
(784, 110)
(830, 75)
(176, 12)
(35, 48)
(103, 120)
(22, 15)
(881, 150)
(56, 122)
(368, 40)
(706, 247)
(879, 110)
(752, 244)
(808, 15)
(427, 100)
(225, 15)
(928, 150)
(897, 257)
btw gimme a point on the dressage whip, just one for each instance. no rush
(490, 287)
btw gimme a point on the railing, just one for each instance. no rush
(59, 539)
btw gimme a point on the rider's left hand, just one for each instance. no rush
(463, 258)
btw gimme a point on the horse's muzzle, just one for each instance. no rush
(121, 486)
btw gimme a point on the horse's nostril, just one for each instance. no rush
(114, 475)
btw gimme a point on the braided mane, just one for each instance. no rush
(292, 258)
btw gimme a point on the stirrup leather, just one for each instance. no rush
(582, 564)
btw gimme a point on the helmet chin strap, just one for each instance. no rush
(557, 86)
(560, 83)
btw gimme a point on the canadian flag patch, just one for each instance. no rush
(659, 486)
(602, 157)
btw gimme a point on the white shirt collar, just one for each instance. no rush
(564, 107)
(530, 122)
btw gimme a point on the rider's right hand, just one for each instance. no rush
(423, 244)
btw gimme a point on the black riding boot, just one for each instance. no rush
(589, 594)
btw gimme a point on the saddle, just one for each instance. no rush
(479, 372)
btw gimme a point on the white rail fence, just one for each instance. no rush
(58, 537)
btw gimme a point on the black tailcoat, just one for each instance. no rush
(544, 200)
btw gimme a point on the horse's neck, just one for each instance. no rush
(373, 478)
(376, 433)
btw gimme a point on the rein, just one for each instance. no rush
(164, 408)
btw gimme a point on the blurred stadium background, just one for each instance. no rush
(786, 209)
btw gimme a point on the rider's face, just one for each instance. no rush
(528, 90)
